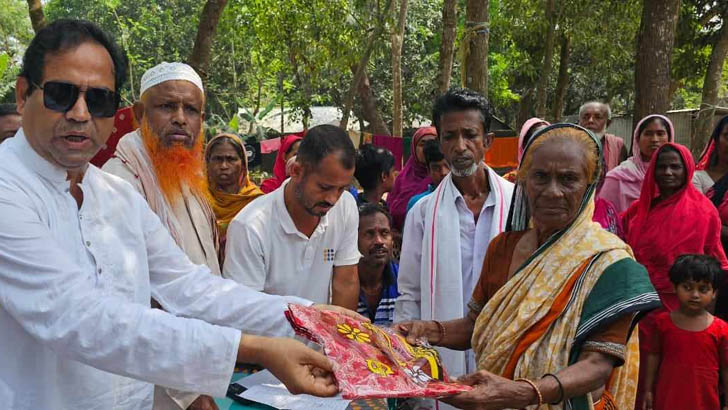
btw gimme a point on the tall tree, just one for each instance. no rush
(369, 106)
(397, 39)
(37, 18)
(475, 45)
(200, 56)
(548, 56)
(655, 42)
(447, 44)
(563, 82)
(711, 86)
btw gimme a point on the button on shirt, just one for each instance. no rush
(265, 251)
(76, 328)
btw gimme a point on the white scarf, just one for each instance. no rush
(441, 270)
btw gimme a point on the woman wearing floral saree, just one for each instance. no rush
(558, 296)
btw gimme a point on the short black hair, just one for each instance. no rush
(8, 109)
(323, 140)
(462, 99)
(66, 34)
(699, 268)
(371, 163)
(432, 152)
(371, 208)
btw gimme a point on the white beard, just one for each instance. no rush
(464, 172)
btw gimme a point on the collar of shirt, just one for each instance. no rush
(285, 219)
(57, 175)
(462, 206)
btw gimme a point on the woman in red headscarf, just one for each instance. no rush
(670, 218)
(288, 149)
(414, 177)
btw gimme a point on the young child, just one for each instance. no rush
(689, 346)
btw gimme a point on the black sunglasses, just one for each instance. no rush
(61, 97)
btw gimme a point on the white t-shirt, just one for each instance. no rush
(702, 181)
(266, 252)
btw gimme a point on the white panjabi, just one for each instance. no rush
(168, 72)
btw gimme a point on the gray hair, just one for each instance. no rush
(603, 106)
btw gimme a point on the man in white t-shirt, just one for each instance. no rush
(301, 239)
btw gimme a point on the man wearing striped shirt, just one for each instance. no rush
(377, 269)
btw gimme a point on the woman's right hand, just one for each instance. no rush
(415, 331)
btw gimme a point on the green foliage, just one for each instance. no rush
(15, 34)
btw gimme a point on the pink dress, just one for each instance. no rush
(689, 364)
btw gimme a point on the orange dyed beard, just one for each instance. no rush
(176, 165)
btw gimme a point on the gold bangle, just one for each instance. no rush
(538, 392)
(440, 331)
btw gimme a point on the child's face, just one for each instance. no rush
(695, 296)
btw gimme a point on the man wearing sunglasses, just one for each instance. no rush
(81, 254)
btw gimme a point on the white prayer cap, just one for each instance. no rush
(167, 72)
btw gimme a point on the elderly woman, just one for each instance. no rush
(622, 185)
(228, 182)
(551, 317)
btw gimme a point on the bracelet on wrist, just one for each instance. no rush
(440, 331)
(535, 388)
(561, 388)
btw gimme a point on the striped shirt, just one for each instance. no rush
(384, 315)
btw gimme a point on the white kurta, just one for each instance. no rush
(76, 329)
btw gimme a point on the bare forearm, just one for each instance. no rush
(345, 293)
(457, 333)
(587, 375)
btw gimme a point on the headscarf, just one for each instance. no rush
(538, 321)
(279, 167)
(413, 180)
(530, 123)
(623, 184)
(686, 222)
(226, 205)
(717, 192)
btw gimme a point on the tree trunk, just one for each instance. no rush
(35, 11)
(563, 84)
(655, 41)
(447, 45)
(476, 47)
(524, 108)
(369, 106)
(200, 56)
(397, 40)
(361, 66)
(711, 85)
(548, 57)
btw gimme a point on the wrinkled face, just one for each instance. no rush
(695, 296)
(438, 171)
(293, 150)
(420, 147)
(68, 139)
(723, 145)
(9, 125)
(652, 137)
(174, 110)
(463, 141)
(669, 172)
(375, 239)
(556, 183)
(317, 189)
(225, 167)
(594, 118)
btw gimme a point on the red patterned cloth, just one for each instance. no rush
(373, 362)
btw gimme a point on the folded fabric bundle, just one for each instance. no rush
(370, 361)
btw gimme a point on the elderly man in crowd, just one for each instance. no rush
(10, 120)
(163, 159)
(377, 269)
(447, 232)
(81, 254)
(596, 116)
(301, 239)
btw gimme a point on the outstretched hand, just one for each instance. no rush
(491, 392)
(416, 331)
(299, 368)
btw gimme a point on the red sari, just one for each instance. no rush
(279, 167)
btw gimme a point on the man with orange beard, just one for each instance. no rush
(163, 160)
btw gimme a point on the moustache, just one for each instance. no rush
(324, 204)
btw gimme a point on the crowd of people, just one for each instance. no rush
(582, 279)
